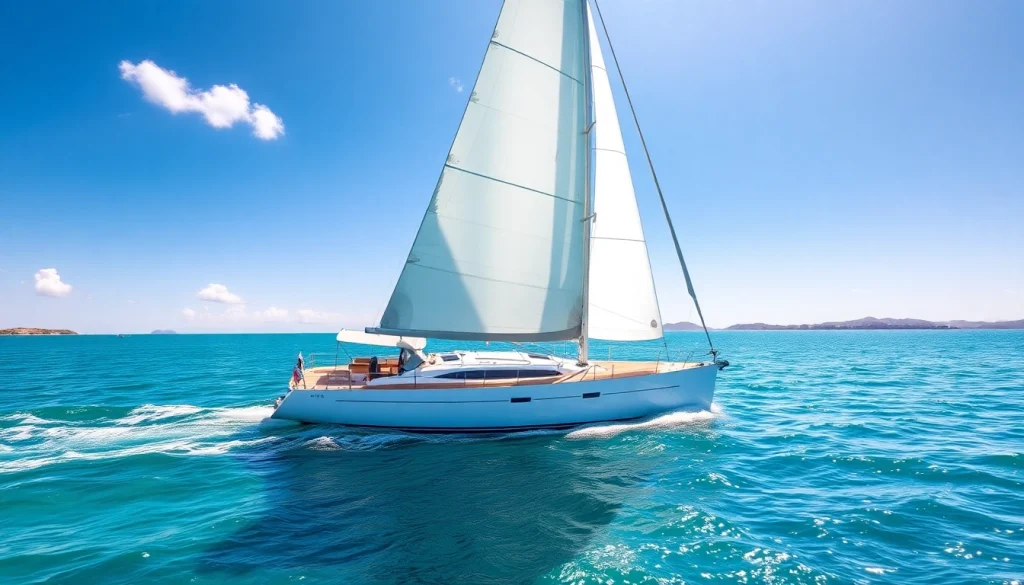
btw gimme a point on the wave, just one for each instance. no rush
(189, 430)
(177, 429)
(666, 421)
(27, 418)
(357, 441)
(244, 413)
(178, 447)
(323, 443)
(152, 412)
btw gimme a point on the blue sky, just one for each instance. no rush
(822, 160)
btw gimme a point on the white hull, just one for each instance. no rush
(505, 408)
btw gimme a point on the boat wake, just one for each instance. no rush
(671, 420)
(28, 441)
(369, 441)
(350, 439)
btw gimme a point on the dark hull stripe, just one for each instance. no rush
(640, 390)
(480, 401)
(468, 430)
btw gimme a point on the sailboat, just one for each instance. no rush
(516, 246)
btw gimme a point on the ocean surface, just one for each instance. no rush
(829, 457)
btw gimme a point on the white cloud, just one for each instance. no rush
(48, 284)
(265, 124)
(218, 293)
(456, 83)
(222, 106)
(188, 314)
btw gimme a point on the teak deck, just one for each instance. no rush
(337, 378)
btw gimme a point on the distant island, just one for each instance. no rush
(859, 324)
(164, 332)
(681, 326)
(36, 331)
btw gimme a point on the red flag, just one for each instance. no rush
(296, 375)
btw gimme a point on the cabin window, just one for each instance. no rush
(452, 376)
(497, 374)
(450, 357)
(538, 373)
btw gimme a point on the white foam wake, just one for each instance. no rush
(665, 421)
(26, 418)
(153, 412)
(244, 414)
(179, 429)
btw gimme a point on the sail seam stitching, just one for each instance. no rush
(532, 58)
(552, 195)
(418, 265)
(617, 314)
(619, 239)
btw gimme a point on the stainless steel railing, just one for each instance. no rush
(591, 372)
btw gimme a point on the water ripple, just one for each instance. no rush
(829, 457)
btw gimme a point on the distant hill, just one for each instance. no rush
(164, 332)
(1018, 324)
(884, 323)
(36, 331)
(681, 326)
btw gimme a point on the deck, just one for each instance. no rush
(340, 377)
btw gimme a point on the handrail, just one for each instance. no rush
(331, 370)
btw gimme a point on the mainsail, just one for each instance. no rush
(623, 302)
(499, 253)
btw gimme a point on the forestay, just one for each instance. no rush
(623, 302)
(499, 253)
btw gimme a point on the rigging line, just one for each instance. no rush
(532, 58)
(650, 163)
(509, 183)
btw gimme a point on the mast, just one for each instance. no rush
(587, 207)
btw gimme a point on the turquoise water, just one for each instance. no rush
(831, 457)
